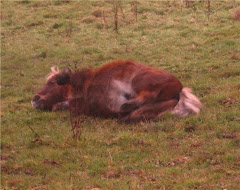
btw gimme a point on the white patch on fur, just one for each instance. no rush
(55, 70)
(117, 94)
(188, 104)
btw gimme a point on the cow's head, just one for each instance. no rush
(77, 88)
(52, 93)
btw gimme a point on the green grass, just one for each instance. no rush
(192, 153)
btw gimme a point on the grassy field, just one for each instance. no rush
(200, 152)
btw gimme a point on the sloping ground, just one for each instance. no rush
(202, 50)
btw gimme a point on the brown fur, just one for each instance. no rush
(150, 92)
(126, 90)
(236, 15)
(52, 97)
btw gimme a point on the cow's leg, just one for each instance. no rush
(143, 98)
(149, 111)
(61, 106)
(164, 92)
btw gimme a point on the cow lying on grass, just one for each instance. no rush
(126, 90)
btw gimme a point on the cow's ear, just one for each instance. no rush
(64, 77)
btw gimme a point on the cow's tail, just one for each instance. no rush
(188, 104)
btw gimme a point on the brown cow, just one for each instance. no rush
(127, 90)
